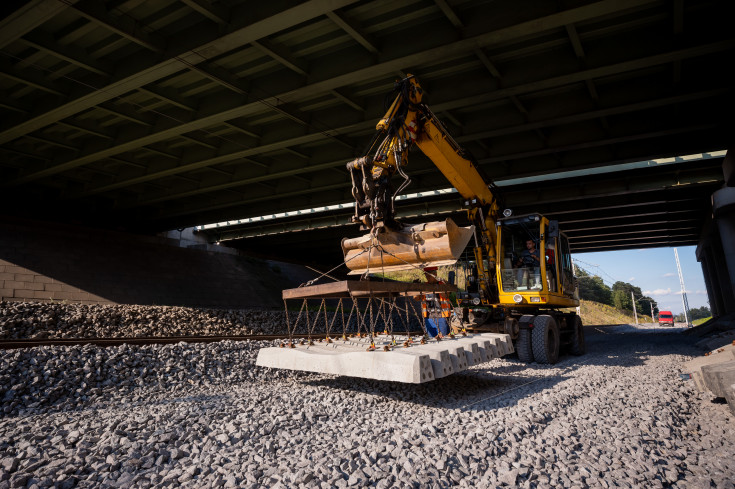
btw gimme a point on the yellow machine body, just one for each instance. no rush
(391, 246)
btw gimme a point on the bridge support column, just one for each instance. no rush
(713, 293)
(716, 277)
(716, 249)
(723, 211)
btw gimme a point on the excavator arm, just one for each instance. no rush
(482, 206)
(408, 121)
(372, 173)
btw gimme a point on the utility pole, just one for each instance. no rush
(684, 300)
(652, 318)
(632, 298)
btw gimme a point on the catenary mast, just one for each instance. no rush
(684, 300)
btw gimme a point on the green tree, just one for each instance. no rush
(696, 313)
(592, 288)
(622, 300)
(644, 305)
(700, 312)
(625, 286)
(622, 297)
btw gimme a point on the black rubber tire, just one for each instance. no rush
(578, 346)
(523, 343)
(545, 339)
(523, 346)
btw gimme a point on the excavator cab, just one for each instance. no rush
(535, 265)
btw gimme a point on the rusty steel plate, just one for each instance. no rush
(357, 288)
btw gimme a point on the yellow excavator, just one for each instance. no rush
(520, 277)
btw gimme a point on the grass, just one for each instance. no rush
(697, 322)
(596, 313)
(416, 274)
(591, 312)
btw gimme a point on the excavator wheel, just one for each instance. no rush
(545, 339)
(577, 347)
(523, 343)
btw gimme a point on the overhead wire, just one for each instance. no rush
(599, 269)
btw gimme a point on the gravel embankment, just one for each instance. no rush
(203, 416)
(21, 320)
(54, 320)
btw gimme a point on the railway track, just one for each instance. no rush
(151, 340)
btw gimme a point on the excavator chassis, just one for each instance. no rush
(372, 334)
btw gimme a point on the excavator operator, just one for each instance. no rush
(529, 262)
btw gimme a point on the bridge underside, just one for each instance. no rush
(151, 116)
(640, 208)
(158, 115)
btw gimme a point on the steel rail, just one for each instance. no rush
(152, 340)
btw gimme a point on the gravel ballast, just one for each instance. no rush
(41, 320)
(56, 320)
(202, 415)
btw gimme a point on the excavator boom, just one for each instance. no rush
(390, 245)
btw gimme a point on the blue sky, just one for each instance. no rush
(654, 271)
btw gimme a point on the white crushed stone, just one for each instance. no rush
(202, 415)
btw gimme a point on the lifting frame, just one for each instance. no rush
(368, 343)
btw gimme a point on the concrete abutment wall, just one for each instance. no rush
(53, 262)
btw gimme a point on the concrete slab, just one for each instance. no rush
(730, 397)
(719, 377)
(724, 349)
(502, 341)
(445, 360)
(457, 353)
(487, 349)
(694, 367)
(492, 349)
(378, 365)
(441, 362)
(414, 364)
(717, 341)
(471, 348)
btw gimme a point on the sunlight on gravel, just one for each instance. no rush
(642, 328)
(203, 415)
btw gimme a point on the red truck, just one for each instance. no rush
(665, 318)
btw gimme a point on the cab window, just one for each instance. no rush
(520, 256)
